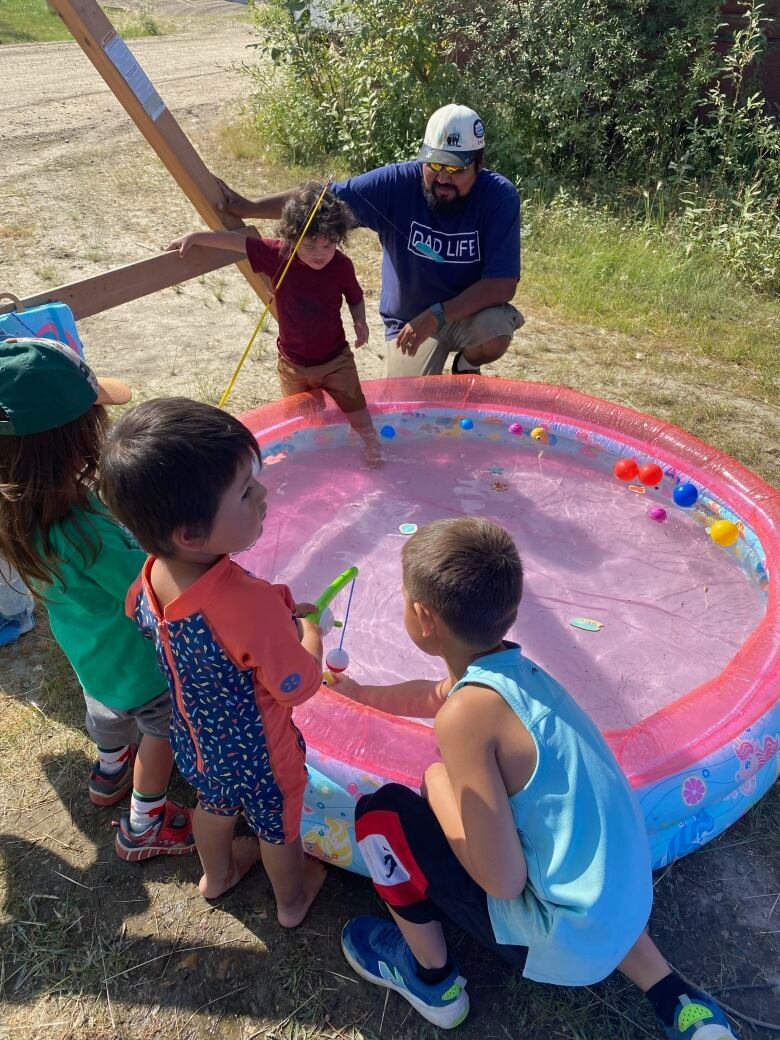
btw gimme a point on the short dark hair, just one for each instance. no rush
(166, 465)
(468, 571)
(333, 219)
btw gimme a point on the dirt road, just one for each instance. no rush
(55, 110)
(81, 192)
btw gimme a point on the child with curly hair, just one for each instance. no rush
(313, 350)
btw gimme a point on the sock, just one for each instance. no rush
(112, 760)
(665, 995)
(462, 364)
(146, 810)
(432, 976)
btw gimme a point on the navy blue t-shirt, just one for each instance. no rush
(480, 241)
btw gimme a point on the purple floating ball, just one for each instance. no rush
(657, 513)
(516, 428)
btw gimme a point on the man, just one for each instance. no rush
(450, 234)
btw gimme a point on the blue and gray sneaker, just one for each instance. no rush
(377, 951)
(699, 1018)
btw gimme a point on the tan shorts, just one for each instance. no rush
(431, 356)
(338, 377)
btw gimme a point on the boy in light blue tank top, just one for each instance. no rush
(528, 835)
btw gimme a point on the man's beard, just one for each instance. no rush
(444, 207)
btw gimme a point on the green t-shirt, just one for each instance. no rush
(113, 661)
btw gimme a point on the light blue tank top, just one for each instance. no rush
(589, 888)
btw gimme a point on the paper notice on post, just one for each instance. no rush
(134, 76)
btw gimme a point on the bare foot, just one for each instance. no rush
(245, 853)
(373, 453)
(292, 914)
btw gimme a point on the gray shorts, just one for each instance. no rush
(113, 727)
(431, 356)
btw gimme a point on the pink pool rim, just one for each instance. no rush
(674, 741)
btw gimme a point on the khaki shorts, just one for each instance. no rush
(338, 377)
(431, 356)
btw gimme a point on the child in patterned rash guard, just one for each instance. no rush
(183, 476)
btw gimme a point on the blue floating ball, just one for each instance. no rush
(388, 431)
(466, 424)
(685, 495)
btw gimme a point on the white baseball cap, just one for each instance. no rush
(454, 135)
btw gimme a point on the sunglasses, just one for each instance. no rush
(454, 171)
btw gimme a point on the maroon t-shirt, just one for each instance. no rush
(308, 302)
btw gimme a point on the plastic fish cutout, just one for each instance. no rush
(586, 624)
(429, 251)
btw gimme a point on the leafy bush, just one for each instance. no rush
(588, 89)
(599, 97)
(730, 171)
(742, 231)
(349, 81)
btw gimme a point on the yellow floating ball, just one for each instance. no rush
(723, 532)
(540, 434)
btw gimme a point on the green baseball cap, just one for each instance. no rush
(44, 384)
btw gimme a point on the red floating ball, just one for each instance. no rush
(651, 474)
(625, 469)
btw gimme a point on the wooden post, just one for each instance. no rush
(101, 292)
(114, 61)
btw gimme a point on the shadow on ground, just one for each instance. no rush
(80, 926)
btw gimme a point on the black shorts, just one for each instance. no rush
(416, 872)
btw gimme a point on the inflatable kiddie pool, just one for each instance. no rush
(668, 639)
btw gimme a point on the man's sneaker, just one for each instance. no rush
(470, 370)
(377, 951)
(699, 1018)
(108, 790)
(170, 836)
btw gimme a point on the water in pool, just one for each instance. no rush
(674, 606)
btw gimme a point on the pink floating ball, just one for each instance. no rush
(657, 513)
(353, 789)
(337, 660)
(516, 428)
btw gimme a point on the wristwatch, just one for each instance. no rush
(438, 312)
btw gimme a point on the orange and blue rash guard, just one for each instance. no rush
(230, 649)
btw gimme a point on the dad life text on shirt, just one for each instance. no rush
(460, 248)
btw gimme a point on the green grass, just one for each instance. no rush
(31, 21)
(28, 21)
(587, 265)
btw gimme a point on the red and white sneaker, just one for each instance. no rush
(170, 836)
(108, 790)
